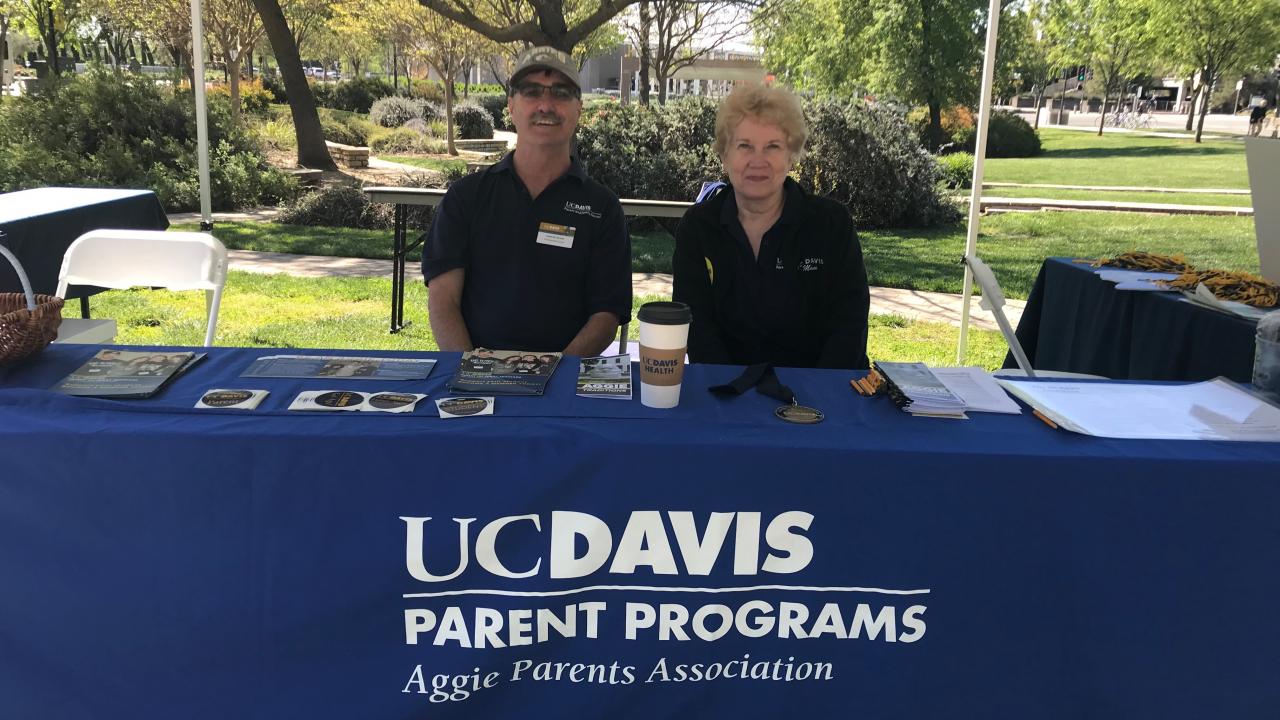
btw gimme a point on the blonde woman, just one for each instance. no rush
(772, 273)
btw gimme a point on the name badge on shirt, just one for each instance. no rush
(558, 235)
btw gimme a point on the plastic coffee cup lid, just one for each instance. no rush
(665, 313)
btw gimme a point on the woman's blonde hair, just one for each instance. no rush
(768, 104)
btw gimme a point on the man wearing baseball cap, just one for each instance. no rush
(531, 254)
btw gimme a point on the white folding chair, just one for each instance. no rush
(993, 302)
(148, 258)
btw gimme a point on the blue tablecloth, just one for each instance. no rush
(162, 561)
(1078, 322)
(39, 225)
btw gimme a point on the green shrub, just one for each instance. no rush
(1009, 136)
(867, 157)
(350, 207)
(957, 170)
(336, 207)
(273, 82)
(337, 131)
(954, 119)
(396, 110)
(495, 104)
(358, 95)
(397, 141)
(254, 98)
(654, 153)
(322, 92)
(105, 128)
(472, 122)
(428, 90)
(277, 134)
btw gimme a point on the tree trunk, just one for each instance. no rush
(448, 116)
(646, 60)
(50, 37)
(312, 152)
(395, 71)
(1062, 98)
(1102, 119)
(1191, 106)
(1207, 80)
(661, 75)
(233, 70)
(1039, 101)
(935, 126)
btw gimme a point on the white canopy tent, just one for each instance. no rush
(202, 121)
(979, 156)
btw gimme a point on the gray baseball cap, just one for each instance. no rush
(546, 58)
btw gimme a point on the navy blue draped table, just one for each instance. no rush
(1078, 322)
(595, 558)
(39, 225)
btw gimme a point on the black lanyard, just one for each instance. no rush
(763, 378)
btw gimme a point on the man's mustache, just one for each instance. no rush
(545, 116)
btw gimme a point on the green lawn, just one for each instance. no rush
(1081, 158)
(1121, 196)
(351, 313)
(650, 249)
(1015, 244)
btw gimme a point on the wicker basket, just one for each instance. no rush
(28, 322)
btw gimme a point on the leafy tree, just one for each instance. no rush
(1034, 63)
(925, 52)
(1217, 37)
(817, 44)
(312, 152)
(551, 22)
(667, 31)
(50, 20)
(8, 15)
(1116, 38)
(235, 26)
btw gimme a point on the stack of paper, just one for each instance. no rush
(914, 388)
(1214, 410)
(977, 390)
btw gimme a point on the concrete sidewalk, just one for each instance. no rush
(911, 304)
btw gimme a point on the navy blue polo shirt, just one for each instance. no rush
(520, 293)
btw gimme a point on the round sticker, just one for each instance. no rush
(386, 401)
(339, 399)
(463, 406)
(225, 398)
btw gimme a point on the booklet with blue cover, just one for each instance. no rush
(127, 374)
(504, 372)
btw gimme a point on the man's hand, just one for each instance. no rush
(594, 337)
(444, 307)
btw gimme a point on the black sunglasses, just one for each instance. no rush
(559, 91)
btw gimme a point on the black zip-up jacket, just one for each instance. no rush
(804, 303)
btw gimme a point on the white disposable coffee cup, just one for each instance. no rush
(664, 335)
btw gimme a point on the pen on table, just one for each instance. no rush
(1045, 418)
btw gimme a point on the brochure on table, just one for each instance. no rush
(337, 366)
(125, 374)
(504, 372)
(605, 377)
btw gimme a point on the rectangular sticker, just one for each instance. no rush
(557, 235)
